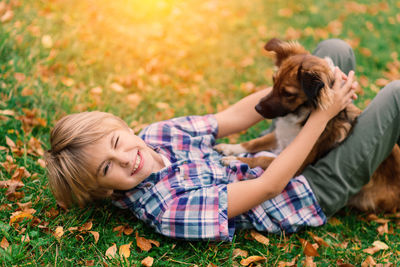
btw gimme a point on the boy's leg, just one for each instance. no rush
(345, 170)
(339, 51)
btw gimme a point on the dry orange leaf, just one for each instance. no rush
(116, 87)
(4, 243)
(369, 262)
(308, 248)
(111, 251)
(10, 142)
(309, 262)
(334, 221)
(259, 237)
(47, 41)
(251, 259)
(237, 252)
(67, 81)
(86, 227)
(143, 243)
(96, 236)
(148, 261)
(20, 215)
(59, 232)
(377, 246)
(340, 263)
(125, 250)
(288, 263)
(319, 240)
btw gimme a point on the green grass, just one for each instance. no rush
(195, 56)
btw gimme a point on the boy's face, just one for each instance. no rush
(121, 160)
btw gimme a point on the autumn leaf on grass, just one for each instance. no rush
(288, 263)
(376, 246)
(148, 261)
(145, 244)
(111, 251)
(237, 252)
(96, 236)
(124, 250)
(319, 240)
(59, 232)
(10, 142)
(309, 262)
(369, 262)
(334, 221)
(4, 243)
(340, 263)
(259, 237)
(308, 248)
(18, 216)
(251, 259)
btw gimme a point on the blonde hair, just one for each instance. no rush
(70, 178)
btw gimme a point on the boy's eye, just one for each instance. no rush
(116, 142)
(106, 169)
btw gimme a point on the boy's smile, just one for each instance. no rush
(121, 160)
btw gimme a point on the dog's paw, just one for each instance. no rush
(227, 160)
(230, 149)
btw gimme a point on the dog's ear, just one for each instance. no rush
(316, 88)
(284, 49)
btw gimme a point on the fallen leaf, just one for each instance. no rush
(116, 87)
(96, 236)
(383, 229)
(86, 226)
(18, 216)
(340, 263)
(377, 246)
(251, 259)
(259, 237)
(59, 232)
(67, 81)
(25, 238)
(308, 248)
(237, 252)
(143, 243)
(319, 240)
(334, 221)
(125, 250)
(309, 262)
(89, 263)
(369, 262)
(288, 263)
(128, 230)
(47, 41)
(148, 261)
(134, 100)
(7, 16)
(10, 142)
(4, 243)
(111, 251)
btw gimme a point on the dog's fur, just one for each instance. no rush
(302, 83)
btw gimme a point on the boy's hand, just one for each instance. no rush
(343, 94)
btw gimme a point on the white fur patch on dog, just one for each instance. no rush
(230, 149)
(287, 128)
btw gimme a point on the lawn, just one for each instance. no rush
(152, 60)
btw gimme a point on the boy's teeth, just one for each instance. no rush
(138, 159)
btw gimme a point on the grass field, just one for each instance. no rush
(152, 60)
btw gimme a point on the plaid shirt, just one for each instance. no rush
(188, 199)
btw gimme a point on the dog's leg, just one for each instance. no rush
(262, 162)
(263, 143)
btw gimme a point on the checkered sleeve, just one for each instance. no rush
(199, 214)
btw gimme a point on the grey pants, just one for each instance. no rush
(345, 170)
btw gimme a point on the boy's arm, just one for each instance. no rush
(241, 115)
(247, 194)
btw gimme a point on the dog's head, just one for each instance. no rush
(302, 80)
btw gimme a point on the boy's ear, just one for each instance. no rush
(284, 49)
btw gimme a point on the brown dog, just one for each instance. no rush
(302, 83)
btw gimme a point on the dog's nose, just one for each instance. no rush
(258, 108)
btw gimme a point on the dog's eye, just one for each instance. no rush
(288, 94)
